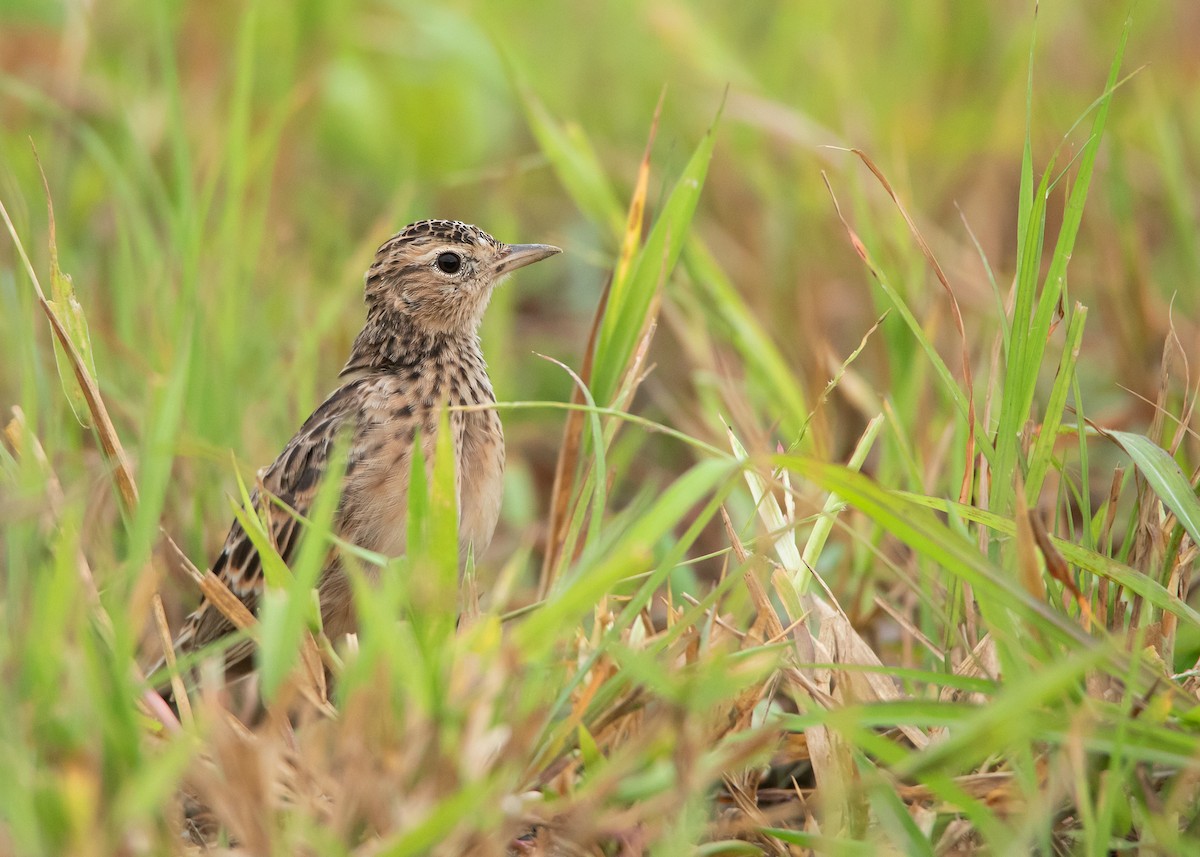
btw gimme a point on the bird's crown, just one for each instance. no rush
(445, 231)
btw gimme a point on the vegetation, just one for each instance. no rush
(850, 504)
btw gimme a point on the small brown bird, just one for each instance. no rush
(418, 350)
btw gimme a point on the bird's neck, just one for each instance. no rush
(391, 342)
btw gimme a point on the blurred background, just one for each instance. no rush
(222, 173)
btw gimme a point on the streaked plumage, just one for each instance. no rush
(419, 348)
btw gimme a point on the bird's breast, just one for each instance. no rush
(375, 504)
(480, 478)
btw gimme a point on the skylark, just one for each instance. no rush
(418, 350)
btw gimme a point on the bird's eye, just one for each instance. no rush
(449, 263)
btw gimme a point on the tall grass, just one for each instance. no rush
(850, 504)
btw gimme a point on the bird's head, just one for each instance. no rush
(440, 273)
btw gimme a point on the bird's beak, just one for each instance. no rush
(519, 255)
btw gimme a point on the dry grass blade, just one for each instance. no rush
(767, 616)
(16, 434)
(855, 241)
(637, 203)
(214, 589)
(177, 688)
(1030, 574)
(111, 444)
(310, 679)
(634, 374)
(742, 707)
(1057, 565)
(964, 493)
(836, 640)
(568, 457)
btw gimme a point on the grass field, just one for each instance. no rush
(850, 504)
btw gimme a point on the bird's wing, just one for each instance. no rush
(292, 480)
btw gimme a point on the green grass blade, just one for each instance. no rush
(1042, 454)
(1087, 560)
(1032, 318)
(934, 541)
(289, 610)
(628, 555)
(630, 299)
(1165, 477)
(764, 362)
(574, 162)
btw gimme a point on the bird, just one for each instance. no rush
(419, 349)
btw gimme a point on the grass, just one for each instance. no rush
(850, 504)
